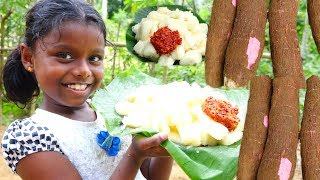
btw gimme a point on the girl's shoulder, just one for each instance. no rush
(24, 137)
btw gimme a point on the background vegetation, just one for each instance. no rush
(118, 14)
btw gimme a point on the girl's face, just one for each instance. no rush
(68, 64)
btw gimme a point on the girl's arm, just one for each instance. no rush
(46, 165)
(157, 168)
(139, 155)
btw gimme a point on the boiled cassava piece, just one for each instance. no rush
(279, 156)
(310, 131)
(255, 129)
(314, 20)
(285, 52)
(246, 43)
(219, 33)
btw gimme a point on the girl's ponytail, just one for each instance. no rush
(20, 85)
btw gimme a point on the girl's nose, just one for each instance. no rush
(82, 69)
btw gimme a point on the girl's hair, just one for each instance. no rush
(45, 16)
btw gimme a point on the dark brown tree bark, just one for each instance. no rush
(3, 20)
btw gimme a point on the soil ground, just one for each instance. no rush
(176, 174)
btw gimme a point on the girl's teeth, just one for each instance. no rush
(79, 87)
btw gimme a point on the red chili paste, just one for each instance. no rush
(165, 41)
(221, 112)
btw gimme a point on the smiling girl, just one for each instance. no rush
(62, 55)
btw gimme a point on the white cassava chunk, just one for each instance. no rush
(178, 53)
(135, 29)
(206, 139)
(164, 10)
(187, 41)
(190, 134)
(197, 37)
(123, 108)
(149, 51)
(175, 137)
(191, 57)
(179, 116)
(139, 47)
(177, 25)
(136, 119)
(165, 60)
(202, 47)
(204, 28)
(214, 129)
(231, 138)
(156, 16)
(163, 126)
(147, 29)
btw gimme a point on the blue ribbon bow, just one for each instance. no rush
(111, 144)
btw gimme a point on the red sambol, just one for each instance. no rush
(221, 112)
(165, 41)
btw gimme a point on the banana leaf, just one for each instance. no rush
(210, 162)
(131, 41)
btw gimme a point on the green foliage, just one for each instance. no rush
(135, 5)
(114, 6)
(265, 67)
(12, 112)
(120, 16)
(185, 73)
(14, 27)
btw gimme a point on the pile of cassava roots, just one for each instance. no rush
(272, 131)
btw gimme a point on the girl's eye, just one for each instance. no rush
(95, 58)
(65, 55)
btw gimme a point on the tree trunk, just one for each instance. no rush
(151, 67)
(117, 39)
(32, 107)
(165, 75)
(194, 6)
(104, 9)
(115, 54)
(2, 33)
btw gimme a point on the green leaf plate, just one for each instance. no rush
(210, 162)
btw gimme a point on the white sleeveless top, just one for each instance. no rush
(46, 131)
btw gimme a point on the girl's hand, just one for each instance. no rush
(142, 147)
(139, 155)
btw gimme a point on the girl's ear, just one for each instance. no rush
(26, 57)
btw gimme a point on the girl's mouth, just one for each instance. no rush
(77, 87)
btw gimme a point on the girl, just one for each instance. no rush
(62, 55)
